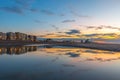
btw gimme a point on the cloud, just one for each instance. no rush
(24, 3)
(53, 35)
(95, 27)
(63, 36)
(19, 7)
(112, 27)
(102, 36)
(47, 12)
(67, 21)
(92, 35)
(102, 26)
(55, 27)
(34, 10)
(38, 21)
(14, 9)
(107, 34)
(72, 34)
(79, 15)
(73, 31)
(62, 14)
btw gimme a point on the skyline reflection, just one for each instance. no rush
(81, 54)
(17, 50)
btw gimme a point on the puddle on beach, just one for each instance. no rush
(58, 63)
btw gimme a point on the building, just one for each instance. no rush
(17, 36)
(34, 38)
(24, 37)
(11, 36)
(2, 36)
(21, 36)
(30, 38)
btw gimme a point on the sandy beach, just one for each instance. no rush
(109, 47)
(100, 46)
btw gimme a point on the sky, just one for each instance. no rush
(62, 18)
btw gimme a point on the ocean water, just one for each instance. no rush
(58, 63)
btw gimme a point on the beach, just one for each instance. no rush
(99, 46)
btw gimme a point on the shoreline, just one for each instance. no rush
(99, 46)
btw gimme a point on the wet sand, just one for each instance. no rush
(100, 46)
(109, 47)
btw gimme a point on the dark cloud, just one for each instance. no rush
(73, 31)
(47, 12)
(14, 9)
(67, 21)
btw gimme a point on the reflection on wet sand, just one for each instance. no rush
(80, 54)
(72, 54)
(17, 50)
(50, 63)
(83, 54)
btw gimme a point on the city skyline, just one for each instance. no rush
(62, 18)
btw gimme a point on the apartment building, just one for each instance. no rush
(2, 36)
(17, 36)
(11, 36)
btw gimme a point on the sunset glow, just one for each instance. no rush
(55, 19)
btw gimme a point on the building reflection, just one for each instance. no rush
(17, 50)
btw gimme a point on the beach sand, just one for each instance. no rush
(100, 46)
